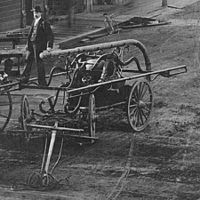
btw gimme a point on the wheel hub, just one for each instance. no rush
(141, 104)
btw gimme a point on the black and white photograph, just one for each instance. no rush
(99, 99)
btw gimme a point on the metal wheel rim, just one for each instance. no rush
(25, 113)
(140, 104)
(48, 180)
(35, 180)
(91, 113)
(5, 117)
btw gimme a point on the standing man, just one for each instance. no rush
(40, 38)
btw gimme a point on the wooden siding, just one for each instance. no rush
(10, 14)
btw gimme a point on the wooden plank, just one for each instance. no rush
(10, 9)
(13, 24)
(12, 52)
(10, 18)
(54, 128)
(8, 2)
(8, 6)
(10, 14)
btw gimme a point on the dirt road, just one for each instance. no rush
(161, 163)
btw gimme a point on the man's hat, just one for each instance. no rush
(37, 9)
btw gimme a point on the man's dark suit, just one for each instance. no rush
(40, 41)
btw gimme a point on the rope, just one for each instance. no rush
(122, 180)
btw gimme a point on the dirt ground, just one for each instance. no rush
(160, 163)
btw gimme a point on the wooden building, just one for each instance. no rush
(10, 14)
(15, 14)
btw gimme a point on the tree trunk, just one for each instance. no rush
(89, 5)
(164, 3)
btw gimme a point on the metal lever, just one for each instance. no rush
(52, 142)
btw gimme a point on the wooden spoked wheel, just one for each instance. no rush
(25, 115)
(140, 104)
(91, 118)
(48, 181)
(35, 180)
(5, 109)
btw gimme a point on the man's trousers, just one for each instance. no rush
(34, 57)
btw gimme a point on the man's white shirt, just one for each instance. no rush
(36, 21)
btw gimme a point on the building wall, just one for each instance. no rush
(117, 2)
(57, 7)
(60, 7)
(37, 3)
(10, 14)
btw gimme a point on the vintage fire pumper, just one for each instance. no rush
(97, 77)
